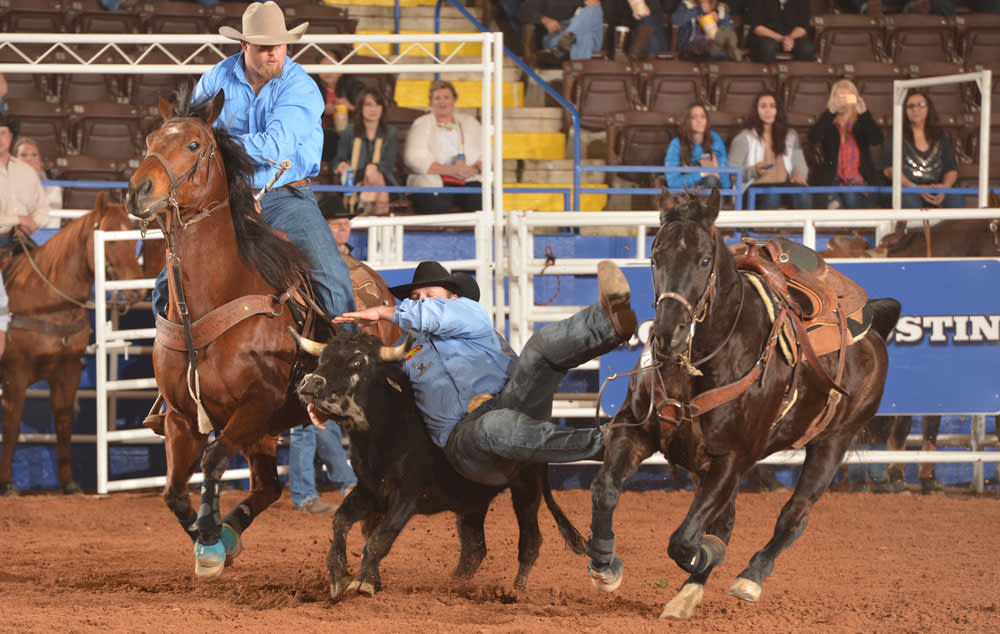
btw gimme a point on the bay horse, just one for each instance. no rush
(709, 394)
(49, 331)
(233, 370)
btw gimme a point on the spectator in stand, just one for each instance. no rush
(3, 96)
(697, 145)
(26, 149)
(705, 31)
(645, 20)
(340, 92)
(571, 29)
(444, 149)
(779, 26)
(367, 150)
(338, 218)
(770, 154)
(928, 155)
(310, 443)
(845, 133)
(23, 206)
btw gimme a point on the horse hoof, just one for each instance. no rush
(745, 589)
(71, 488)
(607, 579)
(209, 561)
(684, 602)
(339, 587)
(231, 541)
(8, 490)
(715, 550)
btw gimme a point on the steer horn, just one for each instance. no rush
(395, 353)
(312, 347)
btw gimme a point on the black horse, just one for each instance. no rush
(716, 394)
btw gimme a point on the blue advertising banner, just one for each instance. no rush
(944, 355)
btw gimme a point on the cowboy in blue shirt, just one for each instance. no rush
(273, 108)
(487, 410)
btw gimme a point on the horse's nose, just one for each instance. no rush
(135, 193)
(678, 339)
(311, 385)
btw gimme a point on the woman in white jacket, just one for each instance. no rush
(771, 155)
(443, 149)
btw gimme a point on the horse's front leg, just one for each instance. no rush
(209, 550)
(625, 448)
(265, 489)
(182, 449)
(14, 391)
(821, 462)
(682, 605)
(689, 546)
(62, 392)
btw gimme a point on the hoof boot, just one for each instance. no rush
(231, 541)
(209, 560)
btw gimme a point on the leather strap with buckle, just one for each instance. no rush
(299, 183)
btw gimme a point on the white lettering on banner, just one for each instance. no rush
(963, 329)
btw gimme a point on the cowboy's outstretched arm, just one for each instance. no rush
(369, 315)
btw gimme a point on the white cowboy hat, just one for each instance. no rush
(264, 25)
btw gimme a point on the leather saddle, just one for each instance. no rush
(822, 298)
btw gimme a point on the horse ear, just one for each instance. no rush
(215, 108)
(666, 203)
(101, 203)
(166, 109)
(712, 205)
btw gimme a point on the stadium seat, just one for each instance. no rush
(322, 20)
(638, 137)
(735, 85)
(801, 122)
(874, 82)
(88, 16)
(805, 86)
(727, 124)
(914, 38)
(44, 121)
(32, 16)
(669, 86)
(383, 82)
(958, 127)
(843, 38)
(947, 98)
(979, 38)
(402, 119)
(173, 16)
(995, 94)
(76, 87)
(598, 87)
(107, 129)
(81, 168)
(38, 86)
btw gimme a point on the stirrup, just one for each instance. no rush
(155, 419)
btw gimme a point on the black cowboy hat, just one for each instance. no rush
(13, 124)
(433, 274)
(332, 206)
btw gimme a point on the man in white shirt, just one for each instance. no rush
(22, 198)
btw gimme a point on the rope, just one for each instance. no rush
(550, 260)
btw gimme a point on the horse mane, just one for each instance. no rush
(279, 262)
(59, 248)
(687, 206)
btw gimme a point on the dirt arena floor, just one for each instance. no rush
(867, 563)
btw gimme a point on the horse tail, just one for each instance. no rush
(569, 533)
(885, 314)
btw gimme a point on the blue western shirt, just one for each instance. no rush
(677, 180)
(455, 356)
(282, 122)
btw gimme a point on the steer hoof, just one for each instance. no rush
(363, 587)
(8, 490)
(607, 579)
(745, 589)
(231, 542)
(209, 561)
(339, 587)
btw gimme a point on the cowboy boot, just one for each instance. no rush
(640, 42)
(156, 418)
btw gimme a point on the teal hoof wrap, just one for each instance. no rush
(209, 560)
(231, 541)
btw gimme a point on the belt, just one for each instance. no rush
(300, 183)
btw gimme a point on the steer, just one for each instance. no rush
(360, 384)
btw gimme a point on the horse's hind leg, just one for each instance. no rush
(265, 489)
(472, 537)
(820, 464)
(624, 450)
(929, 428)
(62, 392)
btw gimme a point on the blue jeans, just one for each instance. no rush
(914, 201)
(489, 444)
(294, 212)
(851, 200)
(766, 199)
(310, 443)
(586, 25)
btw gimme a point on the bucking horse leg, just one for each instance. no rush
(265, 489)
(682, 605)
(820, 464)
(624, 449)
(209, 550)
(182, 450)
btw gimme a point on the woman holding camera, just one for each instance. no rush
(845, 134)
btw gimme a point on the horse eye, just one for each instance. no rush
(706, 261)
(193, 146)
(357, 364)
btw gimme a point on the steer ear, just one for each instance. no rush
(395, 353)
(312, 347)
